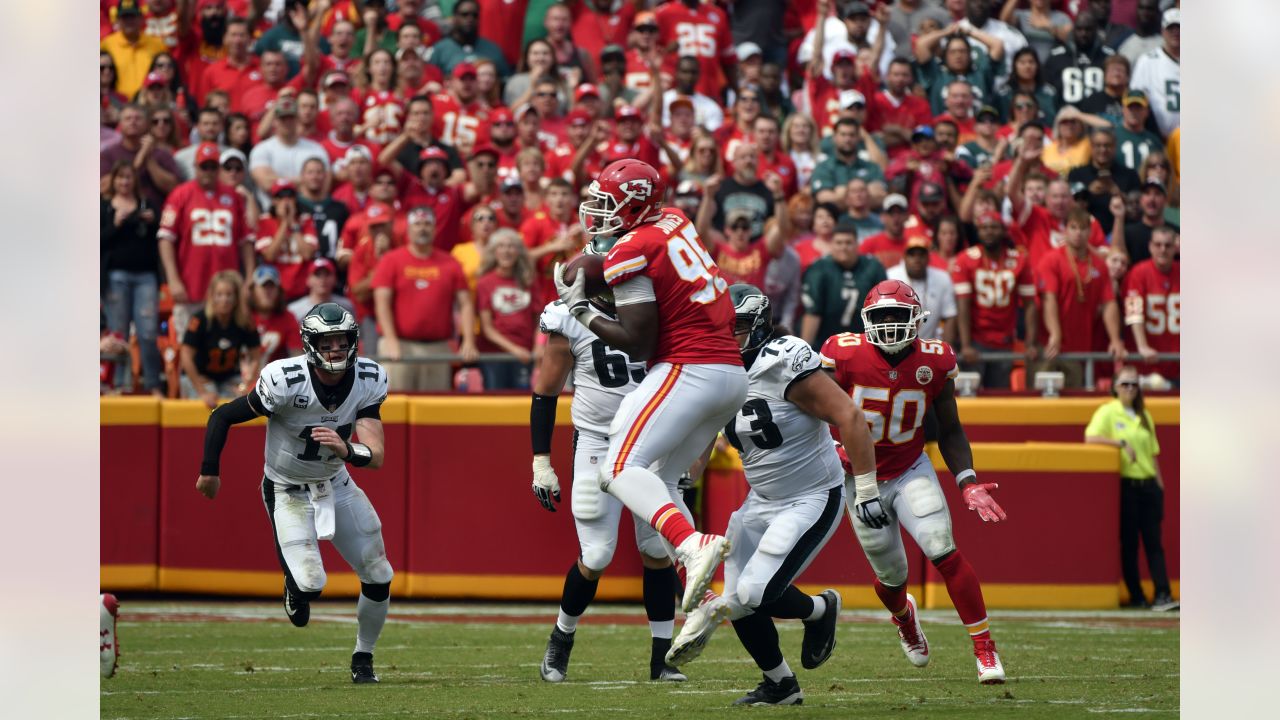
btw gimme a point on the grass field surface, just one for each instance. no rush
(224, 660)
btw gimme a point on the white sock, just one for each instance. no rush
(641, 490)
(819, 608)
(779, 673)
(662, 628)
(567, 623)
(371, 615)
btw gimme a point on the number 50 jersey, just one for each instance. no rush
(893, 397)
(602, 376)
(286, 391)
(785, 451)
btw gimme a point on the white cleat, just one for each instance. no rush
(108, 649)
(697, 630)
(990, 670)
(911, 635)
(700, 554)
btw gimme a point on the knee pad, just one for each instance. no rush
(894, 575)
(303, 592)
(936, 543)
(376, 591)
(597, 555)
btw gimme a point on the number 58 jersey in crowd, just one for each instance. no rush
(602, 376)
(893, 397)
(297, 405)
(695, 315)
(785, 451)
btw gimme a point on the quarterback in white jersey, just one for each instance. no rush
(602, 377)
(795, 503)
(313, 403)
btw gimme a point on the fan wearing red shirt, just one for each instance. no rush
(287, 240)
(823, 95)
(773, 160)
(501, 132)
(381, 205)
(894, 377)
(991, 281)
(595, 24)
(501, 22)
(560, 161)
(1043, 228)
(200, 40)
(237, 71)
(447, 202)
(895, 111)
(888, 246)
(508, 317)
(639, 75)
(553, 235)
(629, 140)
(690, 28)
(377, 240)
(415, 289)
(740, 257)
(1076, 294)
(342, 137)
(277, 327)
(202, 232)
(461, 113)
(674, 313)
(1153, 303)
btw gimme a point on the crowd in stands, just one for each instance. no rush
(420, 162)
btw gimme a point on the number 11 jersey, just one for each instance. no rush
(893, 397)
(286, 390)
(695, 315)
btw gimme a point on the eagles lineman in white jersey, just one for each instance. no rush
(312, 403)
(794, 506)
(602, 376)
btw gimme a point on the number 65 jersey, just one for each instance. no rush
(785, 451)
(893, 397)
(285, 388)
(602, 376)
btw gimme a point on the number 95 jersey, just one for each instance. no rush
(602, 376)
(285, 388)
(785, 451)
(893, 397)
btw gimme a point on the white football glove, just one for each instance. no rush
(545, 483)
(573, 295)
(866, 501)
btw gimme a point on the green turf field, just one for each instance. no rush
(244, 660)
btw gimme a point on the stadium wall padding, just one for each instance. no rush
(460, 522)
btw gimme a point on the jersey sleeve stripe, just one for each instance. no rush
(827, 363)
(965, 288)
(1027, 290)
(623, 268)
(953, 372)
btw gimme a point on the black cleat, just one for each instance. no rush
(1164, 602)
(658, 667)
(820, 635)
(362, 668)
(768, 692)
(555, 664)
(299, 611)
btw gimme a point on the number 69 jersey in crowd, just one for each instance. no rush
(893, 397)
(289, 393)
(785, 451)
(602, 376)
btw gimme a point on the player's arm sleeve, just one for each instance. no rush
(635, 289)
(962, 281)
(626, 260)
(377, 393)
(798, 362)
(827, 355)
(240, 410)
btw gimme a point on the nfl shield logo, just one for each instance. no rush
(893, 374)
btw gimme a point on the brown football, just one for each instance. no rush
(593, 266)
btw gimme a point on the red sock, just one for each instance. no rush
(671, 524)
(895, 601)
(966, 594)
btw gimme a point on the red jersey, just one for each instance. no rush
(998, 286)
(824, 99)
(1153, 299)
(1042, 233)
(592, 30)
(364, 259)
(208, 227)
(448, 204)
(1082, 288)
(512, 309)
(381, 117)
(337, 149)
(884, 248)
(781, 165)
(642, 149)
(908, 112)
(559, 164)
(280, 335)
(222, 75)
(695, 315)
(963, 127)
(703, 32)
(743, 266)
(457, 124)
(893, 397)
(293, 268)
(423, 292)
(538, 230)
(502, 23)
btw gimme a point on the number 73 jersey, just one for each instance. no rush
(893, 397)
(286, 391)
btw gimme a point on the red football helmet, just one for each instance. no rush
(891, 315)
(625, 193)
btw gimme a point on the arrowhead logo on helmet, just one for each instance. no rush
(626, 193)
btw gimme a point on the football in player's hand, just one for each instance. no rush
(593, 266)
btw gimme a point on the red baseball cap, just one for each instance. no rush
(844, 54)
(153, 79)
(584, 90)
(918, 240)
(501, 114)
(578, 116)
(207, 152)
(336, 77)
(627, 112)
(464, 69)
(434, 153)
(321, 263)
(484, 149)
(990, 217)
(378, 213)
(282, 185)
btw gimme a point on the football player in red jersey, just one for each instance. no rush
(701, 30)
(1153, 302)
(674, 313)
(894, 376)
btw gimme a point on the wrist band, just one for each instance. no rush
(964, 475)
(359, 454)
